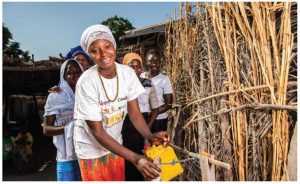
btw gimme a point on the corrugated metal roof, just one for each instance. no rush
(160, 27)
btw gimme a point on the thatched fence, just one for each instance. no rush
(233, 69)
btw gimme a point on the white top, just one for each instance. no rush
(63, 118)
(148, 100)
(62, 106)
(163, 86)
(92, 104)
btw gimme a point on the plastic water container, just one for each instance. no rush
(170, 168)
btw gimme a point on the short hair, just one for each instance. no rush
(153, 51)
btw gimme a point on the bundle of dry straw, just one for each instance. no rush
(233, 69)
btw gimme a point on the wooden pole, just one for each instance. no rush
(210, 159)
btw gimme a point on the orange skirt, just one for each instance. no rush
(107, 168)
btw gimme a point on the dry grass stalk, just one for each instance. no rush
(241, 53)
(257, 35)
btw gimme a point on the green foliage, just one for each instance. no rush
(12, 48)
(26, 56)
(6, 37)
(118, 26)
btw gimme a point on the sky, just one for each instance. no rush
(49, 28)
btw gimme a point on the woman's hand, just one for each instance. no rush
(54, 89)
(161, 137)
(146, 166)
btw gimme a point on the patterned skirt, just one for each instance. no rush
(107, 168)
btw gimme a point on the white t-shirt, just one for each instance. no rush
(163, 86)
(148, 100)
(92, 104)
(65, 149)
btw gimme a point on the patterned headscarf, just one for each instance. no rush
(94, 33)
(130, 56)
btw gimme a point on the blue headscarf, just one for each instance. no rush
(78, 50)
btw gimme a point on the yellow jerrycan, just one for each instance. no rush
(170, 167)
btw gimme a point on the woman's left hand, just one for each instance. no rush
(161, 137)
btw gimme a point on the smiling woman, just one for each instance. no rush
(163, 86)
(148, 105)
(59, 121)
(104, 95)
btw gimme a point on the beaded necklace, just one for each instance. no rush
(110, 100)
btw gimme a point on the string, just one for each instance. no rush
(175, 162)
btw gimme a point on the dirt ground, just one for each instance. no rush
(47, 175)
(44, 164)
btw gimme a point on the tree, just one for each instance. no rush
(12, 48)
(26, 56)
(118, 26)
(7, 36)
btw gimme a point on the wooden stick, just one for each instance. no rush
(210, 160)
(293, 83)
(244, 107)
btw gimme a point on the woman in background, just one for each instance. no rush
(79, 55)
(59, 122)
(163, 88)
(148, 105)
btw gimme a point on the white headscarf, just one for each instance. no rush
(66, 99)
(93, 33)
(63, 101)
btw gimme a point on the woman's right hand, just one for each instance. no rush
(161, 137)
(146, 166)
(55, 89)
